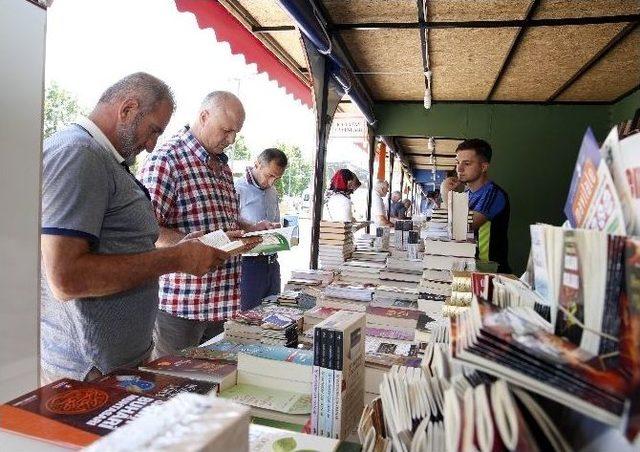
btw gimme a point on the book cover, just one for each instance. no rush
(280, 400)
(280, 353)
(593, 201)
(71, 413)
(222, 372)
(156, 385)
(268, 439)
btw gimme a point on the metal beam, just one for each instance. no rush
(623, 95)
(533, 6)
(320, 163)
(273, 29)
(392, 159)
(372, 157)
(595, 59)
(423, 41)
(516, 23)
(401, 180)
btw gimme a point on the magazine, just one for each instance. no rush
(273, 240)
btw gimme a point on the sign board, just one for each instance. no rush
(348, 127)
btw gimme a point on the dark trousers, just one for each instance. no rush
(260, 278)
(172, 333)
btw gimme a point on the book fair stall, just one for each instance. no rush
(406, 335)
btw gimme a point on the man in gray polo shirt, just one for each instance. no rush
(100, 266)
(259, 207)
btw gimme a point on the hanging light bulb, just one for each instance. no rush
(427, 91)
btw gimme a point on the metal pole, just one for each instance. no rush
(318, 180)
(401, 181)
(372, 156)
(392, 160)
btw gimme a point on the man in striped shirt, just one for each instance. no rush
(488, 202)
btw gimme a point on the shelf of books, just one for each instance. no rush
(400, 343)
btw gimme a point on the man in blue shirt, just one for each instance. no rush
(259, 207)
(488, 202)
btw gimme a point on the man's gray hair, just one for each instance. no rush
(217, 99)
(273, 155)
(147, 89)
(397, 193)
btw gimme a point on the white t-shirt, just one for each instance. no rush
(377, 209)
(338, 208)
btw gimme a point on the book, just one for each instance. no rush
(338, 383)
(71, 413)
(506, 345)
(435, 262)
(273, 240)
(450, 248)
(223, 350)
(401, 319)
(593, 201)
(156, 385)
(458, 213)
(186, 422)
(222, 372)
(278, 400)
(276, 366)
(269, 439)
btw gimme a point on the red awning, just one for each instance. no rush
(211, 14)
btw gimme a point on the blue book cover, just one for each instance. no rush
(280, 353)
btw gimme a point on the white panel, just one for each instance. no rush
(22, 53)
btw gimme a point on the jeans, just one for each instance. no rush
(260, 278)
(172, 333)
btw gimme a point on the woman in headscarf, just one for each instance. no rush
(337, 202)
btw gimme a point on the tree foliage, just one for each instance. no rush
(239, 150)
(298, 175)
(60, 108)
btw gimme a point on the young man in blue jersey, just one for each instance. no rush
(488, 202)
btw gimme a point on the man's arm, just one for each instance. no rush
(74, 272)
(478, 220)
(383, 221)
(169, 237)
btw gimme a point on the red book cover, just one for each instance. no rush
(409, 314)
(71, 413)
(156, 385)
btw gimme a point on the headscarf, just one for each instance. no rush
(339, 183)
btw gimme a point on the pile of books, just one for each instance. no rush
(335, 244)
(356, 271)
(350, 296)
(275, 382)
(338, 374)
(323, 276)
(266, 324)
(370, 256)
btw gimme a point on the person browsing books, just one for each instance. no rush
(397, 209)
(378, 212)
(337, 202)
(488, 202)
(100, 265)
(191, 188)
(259, 206)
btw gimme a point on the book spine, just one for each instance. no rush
(322, 396)
(330, 391)
(337, 384)
(315, 379)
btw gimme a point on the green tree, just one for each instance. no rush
(298, 175)
(239, 150)
(60, 108)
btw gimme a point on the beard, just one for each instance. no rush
(127, 138)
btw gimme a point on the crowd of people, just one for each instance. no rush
(124, 276)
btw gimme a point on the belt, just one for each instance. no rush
(269, 258)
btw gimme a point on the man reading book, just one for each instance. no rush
(488, 202)
(100, 265)
(259, 206)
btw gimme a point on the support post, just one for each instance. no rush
(392, 159)
(372, 155)
(320, 163)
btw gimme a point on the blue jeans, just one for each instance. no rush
(260, 278)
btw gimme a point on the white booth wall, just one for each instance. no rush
(22, 58)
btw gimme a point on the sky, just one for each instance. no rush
(93, 43)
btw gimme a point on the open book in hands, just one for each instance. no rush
(267, 241)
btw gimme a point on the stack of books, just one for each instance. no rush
(349, 296)
(221, 372)
(335, 245)
(338, 374)
(395, 297)
(275, 382)
(460, 294)
(288, 298)
(366, 272)
(399, 318)
(370, 256)
(266, 324)
(365, 243)
(324, 276)
(186, 422)
(316, 315)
